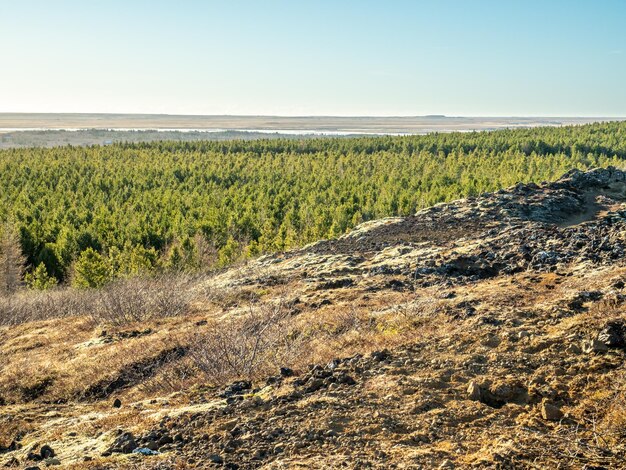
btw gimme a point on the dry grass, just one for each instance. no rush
(249, 332)
(129, 324)
(119, 303)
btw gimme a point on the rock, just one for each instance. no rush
(286, 372)
(117, 403)
(32, 468)
(52, 462)
(314, 385)
(152, 445)
(33, 457)
(594, 346)
(612, 335)
(346, 379)
(236, 388)
(144, 451)
(215, 458)
(474, 392)
(46, 452)
(380, 355)
(124, 444)
(165, 439)
(550, 412)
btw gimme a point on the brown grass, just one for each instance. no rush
(119, 303)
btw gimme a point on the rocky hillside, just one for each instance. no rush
(484, 333)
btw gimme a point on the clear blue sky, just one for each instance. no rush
(316, 57)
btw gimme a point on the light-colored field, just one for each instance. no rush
(373, 125)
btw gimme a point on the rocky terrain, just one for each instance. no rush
(483, 333)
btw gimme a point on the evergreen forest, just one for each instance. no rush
(87, 215)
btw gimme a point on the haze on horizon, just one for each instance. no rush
(366, 58)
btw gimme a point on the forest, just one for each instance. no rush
(87, 215)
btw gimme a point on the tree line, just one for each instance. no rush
(87, 215)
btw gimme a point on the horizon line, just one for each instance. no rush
(374, 116)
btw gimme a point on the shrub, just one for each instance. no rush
(139, 299)
(119, 302)
(247, 347)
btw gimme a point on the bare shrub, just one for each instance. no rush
(249, 346)
(27, 306)
(139, 299)
(118, 303)
(12, 260)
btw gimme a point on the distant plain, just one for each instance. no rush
(50, 130)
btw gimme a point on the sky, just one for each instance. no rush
(315, 57)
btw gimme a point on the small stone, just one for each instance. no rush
(380, 355)
(166, 439)
(594, 346)
(346, 379)
(612, 335)
(474, 392)
(124, 444)
(550, 412)
(314, 385)
(117, 403)
(152, 445)
(52, 462)
(215, 458)
(33, 456)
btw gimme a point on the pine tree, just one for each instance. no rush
(91, 269)
(12, 261)
(40, 279)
